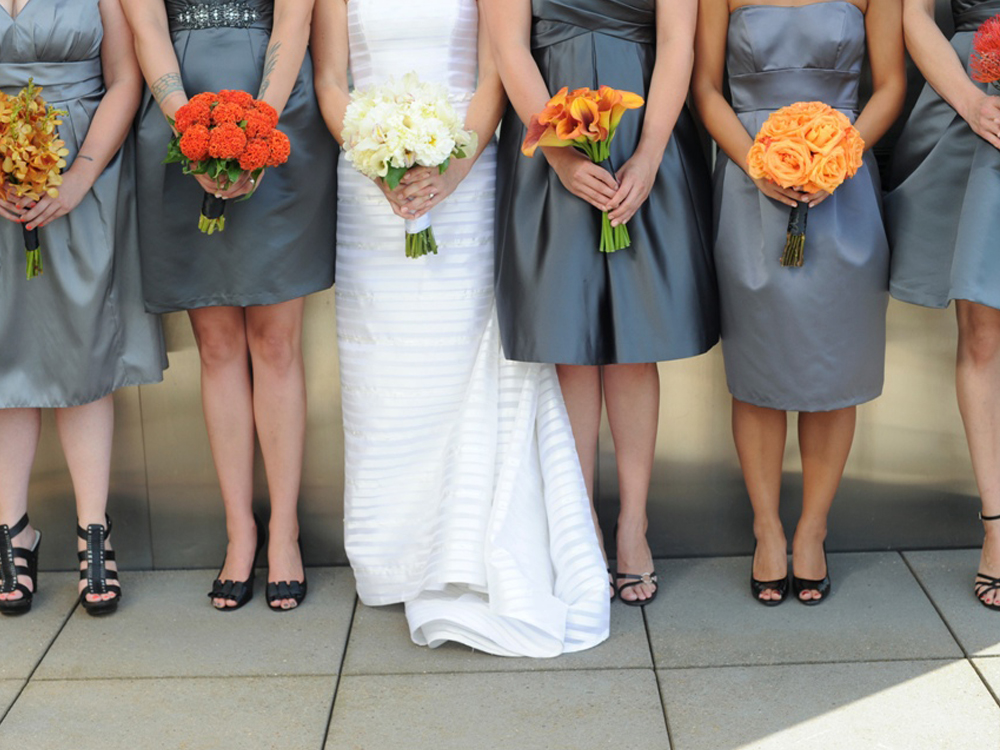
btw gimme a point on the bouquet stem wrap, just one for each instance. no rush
(33, 251)
(420, 237)
(213, 217)
(795, 243)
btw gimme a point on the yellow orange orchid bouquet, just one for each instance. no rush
(586, 119)
(32, 156)
(808, 146)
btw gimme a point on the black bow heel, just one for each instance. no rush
(238, 591)
(296, 590)
(984, 584)
(96, 571)
(10, 570)
(804, 584)
(759, 587)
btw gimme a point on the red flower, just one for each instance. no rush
(239, 98)
(207, 98)
(258, 124)
(227, 112)
(985, 60)
(267, 111)
(194, 142)
(192, 113)
(281, 148)
(227, 141)
(256, 155)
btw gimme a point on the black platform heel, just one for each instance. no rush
(804, 584)
(296, 590)
(984, 584)
(238, 591)
(9, 570)
(96, 571)
(759, 587)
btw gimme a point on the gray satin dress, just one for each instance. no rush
(941, 213)
(79, 331)
(279, 244)
(809, 338)
(558, 298)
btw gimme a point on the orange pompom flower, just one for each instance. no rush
(192, 113)
(281, 149)
(239, 98)
(985, 58)
(227, 141)
(227, 112)
(207, 98)
(267, 111)
(258, 124)
(194, 142)
(256, 155)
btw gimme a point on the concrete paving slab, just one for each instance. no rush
(499, 711)
(380, 644)
(9, 690)
(947, 575)
(27, 637)
(918, 705)
(252, 713)
(166, 627)
(989, 669)
(705, 616)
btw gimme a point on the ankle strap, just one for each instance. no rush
(17, 528)
(988, 518)
(82, 532)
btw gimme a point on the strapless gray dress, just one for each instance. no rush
(279, 244)
(809, 338)
(941, 212)
(558, 298)
(78, 331)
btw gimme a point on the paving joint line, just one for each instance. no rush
(143, 678)
(827, 663)
(656, 678)
(340, 673)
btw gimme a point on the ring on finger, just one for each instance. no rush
(431, 196)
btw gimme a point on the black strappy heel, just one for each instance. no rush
(96, 571)
(984, 584)
(238, 591)
(296, 590)
(757, 588)
(635, 579)
(804, 584)
(9, 570)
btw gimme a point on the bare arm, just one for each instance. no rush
(155, 51)
(285, 51)
(884, 33)
(330, 59)
(944, 71)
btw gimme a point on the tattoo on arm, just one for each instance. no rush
(84, 156)
(270, 62)
(166, 85)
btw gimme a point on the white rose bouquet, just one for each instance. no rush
(390, 129)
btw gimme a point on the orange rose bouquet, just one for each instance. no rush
(985, 58)
(223, 135)
(32, 156)
(808, 146)
(585, 119)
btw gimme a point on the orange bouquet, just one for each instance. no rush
(586, 119)
(808, 146)
(32, 156)
(985, 58)
(223, 135)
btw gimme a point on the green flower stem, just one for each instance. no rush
(420, 244)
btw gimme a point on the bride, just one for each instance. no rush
(464, 496)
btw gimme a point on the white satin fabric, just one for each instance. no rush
(464, 496)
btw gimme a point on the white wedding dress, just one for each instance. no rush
(464, 496)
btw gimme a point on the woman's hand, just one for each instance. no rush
(584, 179)
(788, 196)
(984, 119)
(423, 188)
(12, 208)
(241, 187)
(47, 209)
(635, 181)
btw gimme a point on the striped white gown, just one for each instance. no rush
(464, 496)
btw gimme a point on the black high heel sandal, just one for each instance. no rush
(9, 570)
(804, 584)
(96, 571)
(238, 591)
(759, 587)
(296, 590)
(984, 584)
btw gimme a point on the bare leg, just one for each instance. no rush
(581, 389)
(632, 395)
(760, 435)
(825, 442)
(978, 382)
(274, 334)
(19, 431)
(86, 433)
(228, 405)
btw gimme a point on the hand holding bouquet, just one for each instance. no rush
(808, 146)
(586, 119)
(31, 156)
(985, 58)
(392, 128)
(223, 135)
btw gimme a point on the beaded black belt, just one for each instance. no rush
(236, 15)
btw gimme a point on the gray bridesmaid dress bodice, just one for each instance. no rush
(558, 298)
(809, 338)
(279, 244)
(941, 210)
(79, 331)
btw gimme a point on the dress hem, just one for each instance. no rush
(151, 380)
(231, 301)
(777, 406)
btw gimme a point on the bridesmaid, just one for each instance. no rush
(78, 332)
(244, 288)
(605, 320)
(808, 339)
(941, 222)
